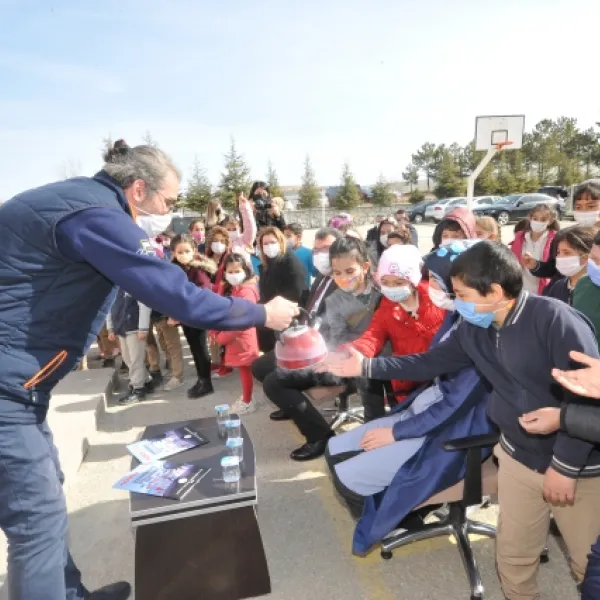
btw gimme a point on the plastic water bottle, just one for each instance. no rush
(234, 428)
(231, 469)
(235, 446)
(222, 411)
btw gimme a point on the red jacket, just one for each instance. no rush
(517, 247)
(199, 271)
(407, 335)
(241, 347)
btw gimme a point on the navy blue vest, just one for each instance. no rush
(51, 308)
(125, 314)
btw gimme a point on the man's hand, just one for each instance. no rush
(558, 489)
(172, 322)
(528, 261)
(543, 421)
(377, 438)
(279, 313)
(142, 335)
(111, 336)
(349, 365)
(584, 382)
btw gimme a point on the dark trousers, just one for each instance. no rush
(372, 396)
(33, 516)
(196, 339)
(590, 588)
(354, 501)
(286, 394)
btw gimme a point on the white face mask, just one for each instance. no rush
(383, 239)
(585, 218)
(272, 249)
(235, 278)
(568, 265)
(538, 226)
(234, 235)
(153, 224)
(440, 299)
(218, 247)
(322, 263)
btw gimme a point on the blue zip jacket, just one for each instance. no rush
(64, 248)
(517, 360)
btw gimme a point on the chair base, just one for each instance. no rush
(344, 415)
(455, 523)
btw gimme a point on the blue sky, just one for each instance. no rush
(363, 81)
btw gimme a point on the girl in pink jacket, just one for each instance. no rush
(241, 233)
(241, 347)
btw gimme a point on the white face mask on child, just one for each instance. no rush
(235, 278)
(272, 249)
(218, 247)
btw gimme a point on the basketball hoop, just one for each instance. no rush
(502, 145)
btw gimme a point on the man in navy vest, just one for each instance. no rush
(66, 246)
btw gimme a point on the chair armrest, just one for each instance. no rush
(473, 441)
(473, 447)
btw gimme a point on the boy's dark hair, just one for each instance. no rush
(401, 235)
(295, 228)
(589, 188)
(579, 238)
(325, 232)
(236, 258)
(487, 263)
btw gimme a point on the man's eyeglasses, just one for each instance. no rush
(170, 202)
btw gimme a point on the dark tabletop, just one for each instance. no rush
(211, 492)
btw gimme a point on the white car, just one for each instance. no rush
(442, 207)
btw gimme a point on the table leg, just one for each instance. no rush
(216, 556)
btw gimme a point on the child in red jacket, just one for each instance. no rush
(406, 316)
(241, 347)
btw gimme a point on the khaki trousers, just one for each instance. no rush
(524, 521)
(107, 348)
(168, 338)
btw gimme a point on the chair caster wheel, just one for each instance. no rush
(476, 597)
(544, 557)
(386, 554)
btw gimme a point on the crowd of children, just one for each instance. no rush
(431, 318)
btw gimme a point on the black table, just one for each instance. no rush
(206, 546)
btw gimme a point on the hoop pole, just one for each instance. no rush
(475, 174)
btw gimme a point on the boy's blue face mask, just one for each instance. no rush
(468, 311)
(593, 271)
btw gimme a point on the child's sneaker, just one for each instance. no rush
(173, 384)
(239, 407)
(223, 372)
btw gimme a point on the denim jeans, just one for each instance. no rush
(33, 516)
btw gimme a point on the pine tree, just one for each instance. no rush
(411, 175)
(199, 191)
(448, 180)
(382, 194)
(310, 194)
(349, 194)
(273, 182)
(149, 140)
(235, 178)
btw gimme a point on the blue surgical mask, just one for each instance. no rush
(467, 311)
(593, 271)
(396, 294)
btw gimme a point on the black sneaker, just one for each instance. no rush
(203, 387)
(108, 363)
(115, 591)
(157, 378)
(132, 397)
(123, 369)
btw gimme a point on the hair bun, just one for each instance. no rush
(119, 148)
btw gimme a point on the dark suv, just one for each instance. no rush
(416, 212)
(517, 207)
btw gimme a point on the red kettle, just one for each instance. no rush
(300, 346)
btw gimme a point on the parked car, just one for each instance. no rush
(416, 212)
(516, 207)
(441, 208)
(480, 201)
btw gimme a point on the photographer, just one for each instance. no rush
(268, 211)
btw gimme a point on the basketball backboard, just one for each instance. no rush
(493, 130)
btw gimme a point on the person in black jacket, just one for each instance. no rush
(579, 421)
(515, 340)
(267, 210)
(280, 274)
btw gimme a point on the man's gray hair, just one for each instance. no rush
(148, 163)
(325, 232)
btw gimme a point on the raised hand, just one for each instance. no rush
(584, 382)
